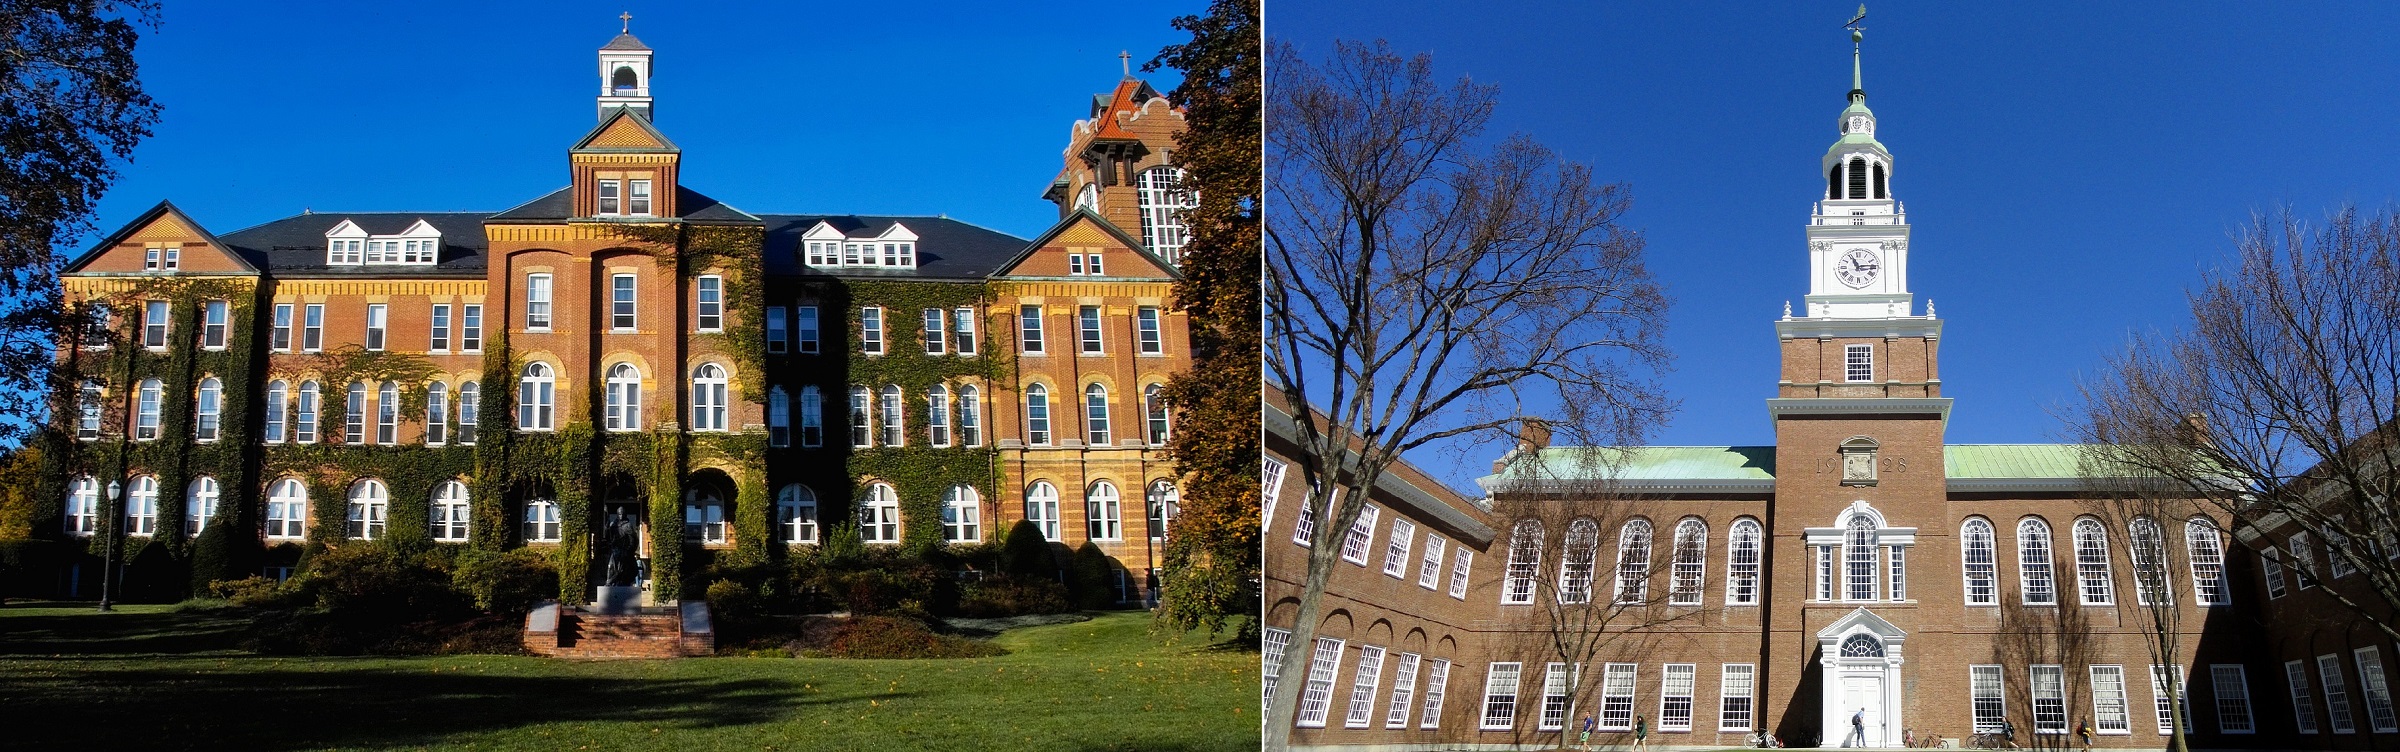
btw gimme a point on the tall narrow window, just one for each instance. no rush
(708, 398)
(2304, 710)
(1316, 697)
(1095, 414)
(369, 503)
(2372, 686)
(870, 330)
(387, 414)
(1983, 687)
(1437, 686)
(1037, 415)
(862, 432)
(779, 418)
(1557, 695)
(1499, 696)
(2033, 563)
(710, 299)
(1741, 564)
(1879, 192)
(141, 506)
(1041, 508)
(1578, 557)
(2109, 713)
(1103, 514)
(2207, 552)
(1616, 696)
(212, 324)
(537, 302)
(1087, 329)
(2150, 580)
(881, 523)
(145, 420)
(287, 509)
(354, 414)
(776, 326)
(637, 197)
(1633, 562)
(1272, 643)
(1404, 690)
(893, 420)
(537, 390)
(937, 335)
(1162, 200)
(796, 514)
(154, 324)
(1858, 363)
(2091, 563)
(278, 402)
(620, 302)
(937, 415)
(96, 327)
(1164, 503)
(205, 415)
(1154, 408)
(2160, 676)
(1976, 552)
(622, 409)
(282, 337)
(2049, 699)
(807, 330)
(1859, 559)
(1145, 323)
(469, 395)
(2232, 690)
(2337, 695)
(962, 515)
(470, 328)
(312, 328)
(1691, 564)
(1524, 562)
(378, 320)
(1897, 559)
(1858, 178)
(1459, 569)
(1395, 547)
(89, 407)
(1676, 687)
(1029, 329)
(1734, 696)
(610, 202)
(437, 413)
(304, 428)
(440, 336)
(2304, 560)
(83, 507)
(447, 516)
(199, 505)
(970, 417)
(962, 329)
(812, 416)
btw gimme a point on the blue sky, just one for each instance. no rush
(2067, 170)
(923, 108)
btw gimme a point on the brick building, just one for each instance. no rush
(628, 372)
(1860, 582)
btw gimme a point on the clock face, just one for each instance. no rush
(1857, 267)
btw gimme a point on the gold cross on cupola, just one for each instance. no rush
(626, 17)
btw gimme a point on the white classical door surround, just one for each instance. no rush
(1860, 655)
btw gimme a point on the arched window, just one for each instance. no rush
(1741, 563)
(1691, 562)
(1862, 646)
(1524, 562)
(354, 414)
(145, 421)
(279, 397)
(536, 391)
(541, 521)
(624, 82)
(704, 516)
(304, 428)
(779, 417)
(469, 396)
(1976, 552)
(199, 505)
(2091, 563)
(205, 414)
(1879, 192)
(2207, 551)
(2151, 585)
(796, 514)
(1101, 512)
(287, 509)
(970, 417)
(624, 398)
(880, 522)
(937, 415)
(1088, 197)
(448, 515)
(708, 398)
(862, 433)
(1162, 199)
(1576, 560)
(83, 506)
(1858, 558)
(2033, 563)
(1858, 177)
(812, 416)
(962, 515)
(1163, 502)
(387, 413)
(437, 413)
(1633, 562)
(369, 503)
(1833, 182)
(1037, 415)
(894, 419)
(1154, 404)
(1041, 508)
(141, 506)
(1095, 414)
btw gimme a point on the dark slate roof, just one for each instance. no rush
(624, 42)
(559, 204)
(946, 248)
(295, 246)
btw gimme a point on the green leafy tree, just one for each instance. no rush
(1212, 559)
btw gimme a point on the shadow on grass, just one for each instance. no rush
(97, 635)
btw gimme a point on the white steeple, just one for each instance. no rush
(625, 73)
(1858, 234)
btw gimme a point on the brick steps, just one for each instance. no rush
(575, 632)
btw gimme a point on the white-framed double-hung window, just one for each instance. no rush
(1500, 696)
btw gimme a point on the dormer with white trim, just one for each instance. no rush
(825, 247)
(347, 244)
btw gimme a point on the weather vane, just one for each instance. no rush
(1857, 24)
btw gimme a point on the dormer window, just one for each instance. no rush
(623, 197)
(347, 244)
(828, 248)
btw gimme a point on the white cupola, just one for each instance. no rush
(625, 73)
(1858, 233)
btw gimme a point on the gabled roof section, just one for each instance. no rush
(623, 131)
(1129, 96)
(176, 221)
(947, 249)
(1083, 217)
(1861, 618)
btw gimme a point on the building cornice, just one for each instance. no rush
(1927, 327)
(1781, 407)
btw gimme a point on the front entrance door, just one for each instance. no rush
(1863, 693)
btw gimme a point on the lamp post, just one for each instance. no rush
(108, 545)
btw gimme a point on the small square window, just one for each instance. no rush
(1858, 362)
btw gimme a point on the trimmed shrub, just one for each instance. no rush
(877, 591)
(506, 583)
(258, 591)
(373, 579)
(1025, 554)
(887, 637)
(731, 601)
(1003, 595)
(1088, 570)
(212, 559)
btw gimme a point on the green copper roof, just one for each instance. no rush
(1665, 463)
(2014, 460)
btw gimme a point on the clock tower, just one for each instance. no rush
(1858, 235)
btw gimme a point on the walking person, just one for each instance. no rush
(1641, 733)
(1858, 728)
(1585, 740)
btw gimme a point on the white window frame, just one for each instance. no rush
(287, 509)
(711, 395)
(962, 330)
(1744, 549)
(807, 330)
(438, 340)
(1858, 363)
(2304, 710)
(156, 322)
(2374, 686)
(2111, 710)
(370, 505)
(1396, 546)
(284, 329)
(1272, 644)
(1316, 697)
(470, 328)
(708, 303)
(1617, 681)
(1437, 687)
(207, 410)
(870, 330)
(538, 295)
(2337, 694)
(83, 507)
(624, 303)
(1366, 678)
(1678, 684)
(2231, 687)
(1090, 337)
(2158, 694)
(2204, 549)
(449, 512)
(2094, 583)
(1461, 566)
(1558, 695)
(1041, 508)
(1500, 681)
(1103, 511)
(2049, 691)
(796, 514)
(214, 318)
(1148, 331)
(936, 334)
(1984, 685)
(148, 407)
(1029, 331)
(1687, 571)
(379, 320)
(962, 515)
(387, 414)
(881, 523)
(1737, 703)
(1429, 570)
(141, 506)
(1404, 690)
(777, 327)
(1525, 541)
(200, 505)
(541, 521)
(312, 328)
(2037, 580)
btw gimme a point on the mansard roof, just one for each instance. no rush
(947, 249)
(559, 206)
(295, 246)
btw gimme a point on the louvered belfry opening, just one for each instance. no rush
(1858, 177)
(1879, 180)
(1833, 182)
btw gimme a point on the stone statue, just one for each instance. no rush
(623, 542)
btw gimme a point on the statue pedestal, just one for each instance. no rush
(617, 600)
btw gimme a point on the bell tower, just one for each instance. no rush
(625, 73)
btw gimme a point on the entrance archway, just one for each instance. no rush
(1860, 655)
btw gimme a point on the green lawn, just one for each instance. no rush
(149, 678)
